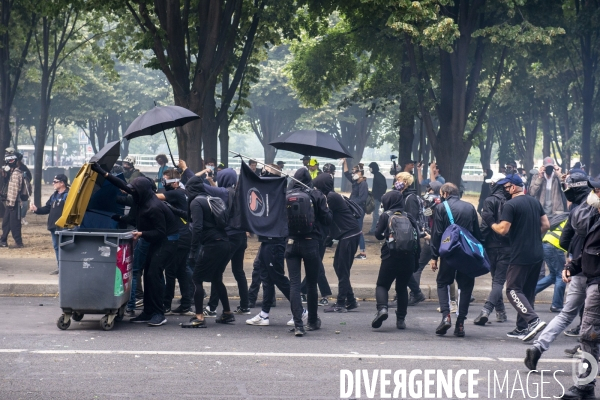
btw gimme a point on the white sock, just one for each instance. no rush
(264, 314)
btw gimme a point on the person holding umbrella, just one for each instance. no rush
(360, 192)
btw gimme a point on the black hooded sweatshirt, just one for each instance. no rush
(569, 239)
(344, 224)
(204, 227)
(154, 219)
(379, 182)
(485, 190)
(393, 201)
(323, 215)
(490, 214)
(411, 202)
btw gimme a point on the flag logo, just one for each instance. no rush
(255, 202)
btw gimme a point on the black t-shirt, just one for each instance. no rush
(524, 213)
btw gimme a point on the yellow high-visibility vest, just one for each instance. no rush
(553, 236)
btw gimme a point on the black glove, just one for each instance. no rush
(97, 168)
(116, 217)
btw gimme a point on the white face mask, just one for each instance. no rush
(355, 177)
(371, 170)
(212, 167)
(593, 200)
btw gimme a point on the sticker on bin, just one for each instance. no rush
(124, 269)
(86, 264)
(104, 251)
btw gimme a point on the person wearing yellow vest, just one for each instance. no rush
(313, 168)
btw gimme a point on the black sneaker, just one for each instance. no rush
(353, 305)
(380, 316)
(225, 318)
(400, 323)
(501, 316)
(579, 393)
(241, 311)
(459, 328)
(335, 307)
(209, 313)
(182, 311)
(482, 319)
(555, 309)
(574, 352)
(299, 331)
(323, 302)
(575, 332)
(157, 320)
(517, 333)
(535, 327)
(194, 323)
(361, 256)
(444, 326)
(313, 326)
(3, 244)
(142, 318)
(303, 298)
(416, 299)
(532, 355)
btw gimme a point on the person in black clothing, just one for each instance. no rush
(344, 228)
(360, 193)
(525, 222)
(465, 216)
(306, 247)
(54, 208)
(157, 225)
(174, 195)
(378, 190)
(211, 252)
(485, 189)
(497, 248)
(394, 265)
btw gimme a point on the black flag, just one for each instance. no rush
(259, 205)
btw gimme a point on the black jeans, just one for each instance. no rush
(322, 279)
(446, 277)
(177, 269)
(159, 255)
(11, 222)
(257, 279)
(295, 253)
(272, 273)
(238, 244)
(520, 291)
(414, 282)
(342, 263)
(209, 267)
(401, 270)
(499, 258)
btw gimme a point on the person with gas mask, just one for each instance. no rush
(547, 188)
(497, 248)
(588, 263)
(378, 190)
(511, 168)
(10, 194)
(129, 170)
(211, 252)
(345, 228)
(156, 224)
(360, 193)
(175, 198)
(573, 235)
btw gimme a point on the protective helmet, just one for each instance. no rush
(129, 160)
(329, 168)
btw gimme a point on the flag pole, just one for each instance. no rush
(263, 164)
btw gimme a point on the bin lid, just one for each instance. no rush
(78, 198)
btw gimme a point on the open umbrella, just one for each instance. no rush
(106, 158)
(311, 143)
(158, 119)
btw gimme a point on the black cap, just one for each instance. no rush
(595, 184)
(280, 163)
(305, 158)
(62, 178)
(406, 162)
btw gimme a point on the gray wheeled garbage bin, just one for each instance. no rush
(95, 274)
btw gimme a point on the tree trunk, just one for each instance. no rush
(547, 135)
(589, 83)
(224, 126)
(189, 136)
(485, 148)
(40, 142)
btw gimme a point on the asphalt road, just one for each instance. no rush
(39, 361)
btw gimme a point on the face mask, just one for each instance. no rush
(371, 170)
(593, 200)
(127, 167)
(399, 185)
(212, 167)
(549, 170)
(570, 195)
(509, 170)
(355, 177)
(507, 194)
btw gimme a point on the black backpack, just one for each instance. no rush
(218, 210)
(402, 235)
(370, 205)
(300, 212)
(355, 209)
(422, 221)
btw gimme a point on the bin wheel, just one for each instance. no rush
(77, 317)
(105, 325)
(61, 323)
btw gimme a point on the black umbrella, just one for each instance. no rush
(311, 143)
(106, 158)
(158, 119)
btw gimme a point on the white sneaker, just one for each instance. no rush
(24, 222)
(453, 307)
(258, 320)
(304, 319)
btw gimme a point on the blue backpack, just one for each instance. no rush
(461, 251)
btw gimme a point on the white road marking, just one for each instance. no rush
(12, 350)
(549, 360)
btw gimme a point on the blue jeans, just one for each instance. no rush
(361, 242)
(139, 257)
(555, 260)
(375, 216)
(54, 242)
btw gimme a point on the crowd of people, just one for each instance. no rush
(182, 236)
